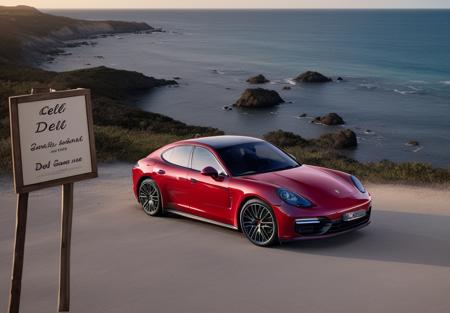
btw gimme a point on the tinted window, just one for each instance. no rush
(203, 158)
(178, 155)
(255, 157)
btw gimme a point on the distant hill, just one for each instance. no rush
(26, 34)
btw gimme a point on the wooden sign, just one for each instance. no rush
(52, 139)
(53, 144)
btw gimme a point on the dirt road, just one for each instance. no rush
(124, 261)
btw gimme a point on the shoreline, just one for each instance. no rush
(206, 87)
(124, 132)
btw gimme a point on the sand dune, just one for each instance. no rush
(124, 261)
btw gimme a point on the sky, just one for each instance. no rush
(257, 4)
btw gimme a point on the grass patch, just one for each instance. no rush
(314, 152)
(123, 131)
(118, 144)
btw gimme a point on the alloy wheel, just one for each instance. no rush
(258, 223)
(149, 197)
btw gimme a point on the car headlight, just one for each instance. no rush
(358, 184)
(293, 199)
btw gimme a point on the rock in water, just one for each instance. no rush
(312, 77)
(414, 143)
(345, 139)
(258, 98)
(329, 119)
(258, 79)
(342, 140)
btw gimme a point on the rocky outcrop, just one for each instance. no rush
(344, 139)
(285, 139)
(32, 34)
(312, 77)
(413, 143)
(258, 79)
(329, 119)
(258, 98)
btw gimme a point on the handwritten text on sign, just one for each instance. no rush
(54, 139)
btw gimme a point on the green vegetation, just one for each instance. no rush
(123, 131)
(318, 152)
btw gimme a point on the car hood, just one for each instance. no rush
(325, 188)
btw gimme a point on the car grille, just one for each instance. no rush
(340, 226)
(326, 226)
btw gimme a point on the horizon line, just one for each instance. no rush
(181, 8)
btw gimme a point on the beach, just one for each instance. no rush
(124, 260)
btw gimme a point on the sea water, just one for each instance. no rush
(395, 65)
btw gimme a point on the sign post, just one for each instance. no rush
(19, 244)
(66, 233)
(53, 144)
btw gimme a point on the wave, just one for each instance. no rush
(404, 92)
(290, 81)
(412, 91)
(368, 86)
(216, 71)
(445, 82)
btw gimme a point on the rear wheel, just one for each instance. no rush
(150, 197)
(258, 223)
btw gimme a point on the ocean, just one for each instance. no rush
(395, 65)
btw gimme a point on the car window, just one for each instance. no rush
(178, 155)
(203, 158)
(254, 158)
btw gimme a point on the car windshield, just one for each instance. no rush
(255, 158)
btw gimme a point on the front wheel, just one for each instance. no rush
(258, 223)
(150, 197)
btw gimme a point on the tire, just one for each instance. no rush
(258, 223)
(149, 197)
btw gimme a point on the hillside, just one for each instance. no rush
(123, 132)
(27, 34)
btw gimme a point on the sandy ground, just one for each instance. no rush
(125, 261)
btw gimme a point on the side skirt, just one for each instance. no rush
(202, 219)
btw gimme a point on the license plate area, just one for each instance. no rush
(354, 215)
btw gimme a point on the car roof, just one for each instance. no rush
(218, 142)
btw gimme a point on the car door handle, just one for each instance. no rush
(193, 180)
(161, 172)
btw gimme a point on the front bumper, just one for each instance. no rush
(326, 226)
(321, 226)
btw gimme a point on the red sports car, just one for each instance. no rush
(249, 184)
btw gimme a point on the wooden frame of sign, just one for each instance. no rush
(37, 123)
(15, 104)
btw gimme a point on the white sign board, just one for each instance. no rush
(52, 139)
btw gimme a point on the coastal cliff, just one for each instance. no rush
(126, 133)
(28, 34)
(123, 131)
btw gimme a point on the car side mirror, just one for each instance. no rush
(209, 171)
